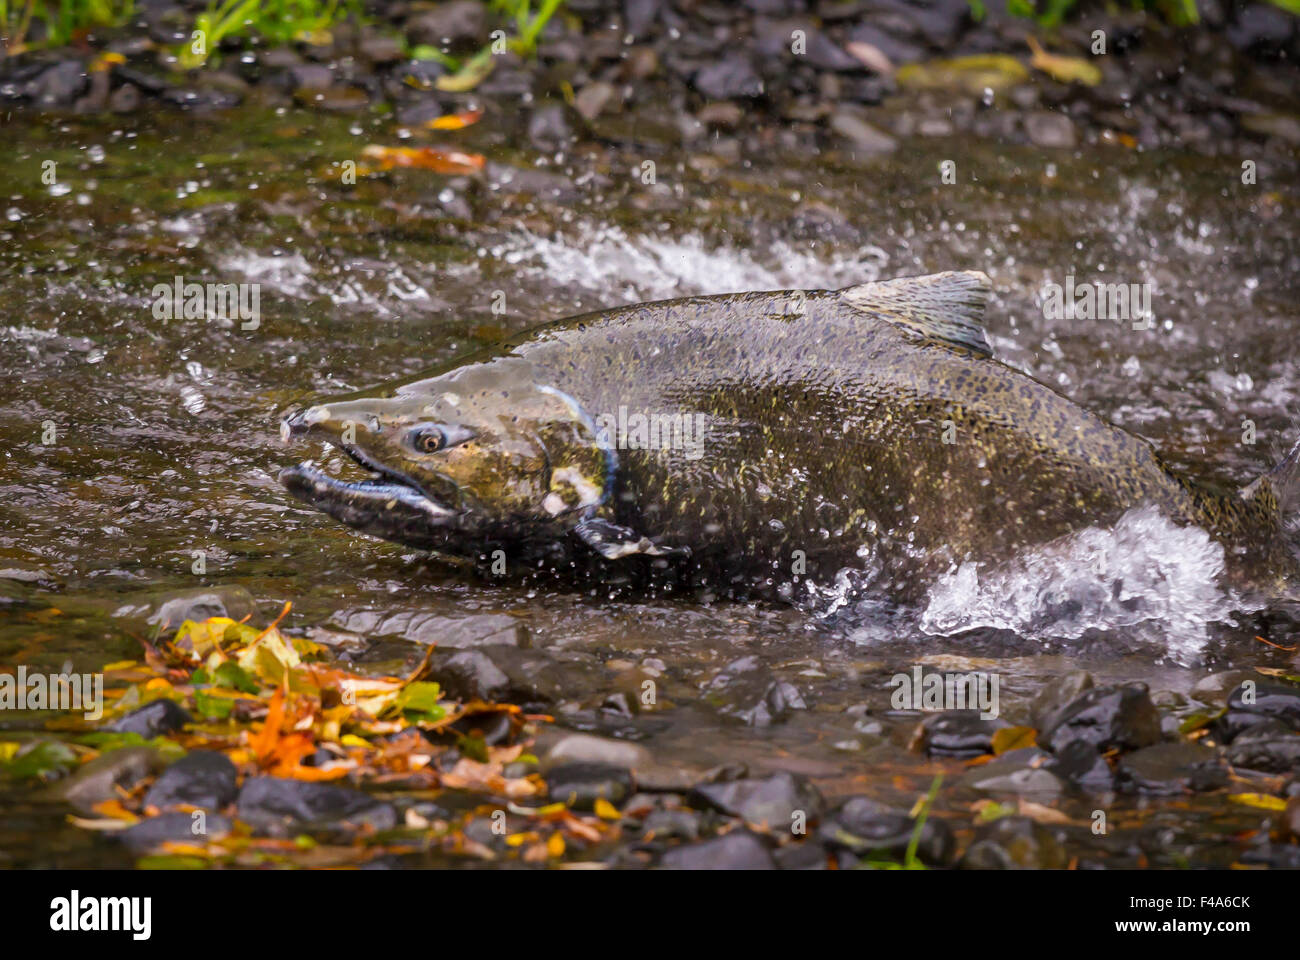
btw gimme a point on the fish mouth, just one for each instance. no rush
(389, 505)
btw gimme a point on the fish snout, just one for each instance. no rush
(299, 423)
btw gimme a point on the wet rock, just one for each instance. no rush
(153, 719)
(202, 778)
(896, 50)
(824, 54)
(959, 733)
(1269, 746)
(1277, 701)
(640, 15)
(862, 135)
(733, 76)
(738, 850)
(415, 114)
(772, 803)
(750, 693)
(672, 824)
(471, 675)
(1290, 823)
(1261, 28)
(446, 632)
(1229, 726)
(1047, 129)
(379, 48)
(808, 855)
(197, 605)
(309, 76)
(1014, 843)
(529, 180)
(549, 128)
(580, 785)
(98, 780)
(592, 99)
(582, 748)
(1171, 768)
(280, 807)
(865, 827)
(1106, 717)
(460, 22)
(1083, 767)
(152, 833)
(1025, 773)
(1217, 687)
(58, 86)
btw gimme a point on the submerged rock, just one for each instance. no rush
(280, 807)
(774, 803)
(959, 733)
(1028, 772)
(1106, 717)
(202, 778)
(865, 827)
(1081, 765)
(1015, 843)
(738, 850)
(1169, 768)
(580, 785)
(1279, 701)
(153, 719)
(153, 832)
(98, 780)
(1269, 746)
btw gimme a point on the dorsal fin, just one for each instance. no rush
(941, 306)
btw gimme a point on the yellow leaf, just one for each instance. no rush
(1261, 801)
(1063, 69)
(1013, 738)
(8, 749)
(352, 740)
(606, 810)
(555, 845)
(119, 665)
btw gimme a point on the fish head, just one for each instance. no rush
(460, 460)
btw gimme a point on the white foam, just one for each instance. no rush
(606, 260)
(1156, 580)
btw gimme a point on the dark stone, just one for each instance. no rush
(865, 827)
(1278, 701)
(415, 114)
(771, 803)
(824, 54)
(1261, 28)
(1106, 717)
(808, 855)
(59, 85)
(153, 719)
(125, 99)
(640, 15)
(459, 22)
(672, 824)
(1081, 765)
(1056, 696)
(1014, 843)
(861, 135)
(280, 808)
(580, 785)
(1269, 746)
(1171, 768)
(1235, 722)
(959, 733)
(732, 76)
(178, 827)
(549, 127)
(1026, 773)
(738, 850)
(202, 778)
(1047, 129)
(471, 675)
(310, 76)
(898, 51)
(199, 605)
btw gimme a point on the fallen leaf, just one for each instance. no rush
(1061, 68)
(1013, 738)
(424, 158)
(455, 121)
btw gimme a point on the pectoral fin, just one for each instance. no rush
(612, 541)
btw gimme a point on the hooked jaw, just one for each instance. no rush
(389, 506)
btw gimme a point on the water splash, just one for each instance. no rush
(1158, 581)
(606, 260)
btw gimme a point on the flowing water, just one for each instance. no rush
(165, 445)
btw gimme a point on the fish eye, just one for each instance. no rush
(428, 439)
